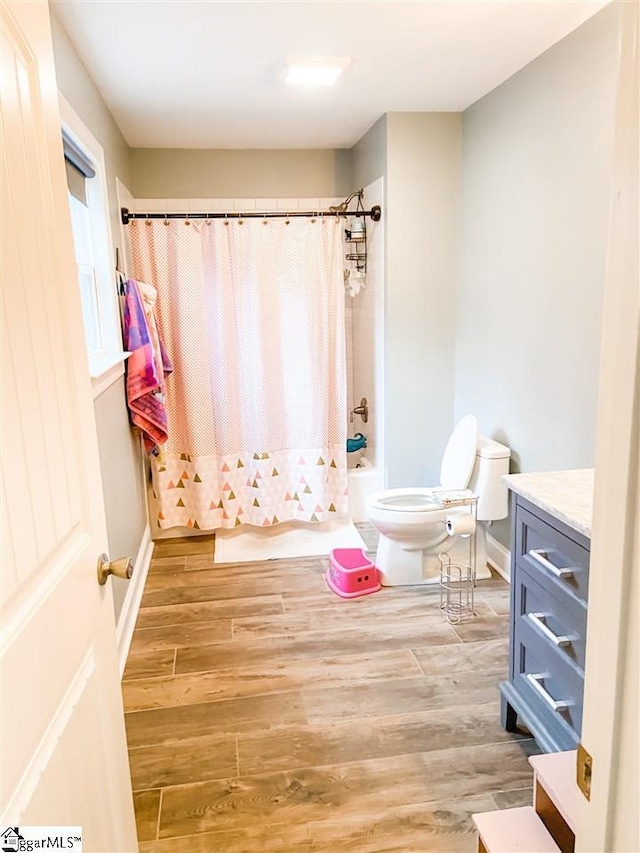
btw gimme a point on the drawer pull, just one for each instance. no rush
(534, 680)
(539, 555)
(537, 620)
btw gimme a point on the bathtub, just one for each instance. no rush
(363, 479)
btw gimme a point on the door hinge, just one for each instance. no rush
(584, 769)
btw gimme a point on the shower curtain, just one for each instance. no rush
(252, 314)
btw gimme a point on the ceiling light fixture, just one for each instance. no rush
(314, 70)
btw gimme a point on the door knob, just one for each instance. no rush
(122, 568)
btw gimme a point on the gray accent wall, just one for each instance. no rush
(418, 155)
(422, 205)
(369, 155)
(120, 458)
(537, 163)
(122, 479)
(224, 173)
(81, 92)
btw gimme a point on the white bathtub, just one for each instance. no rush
(363, 481)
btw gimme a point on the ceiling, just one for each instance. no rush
(206, 74)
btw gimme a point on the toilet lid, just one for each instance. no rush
(460, 454)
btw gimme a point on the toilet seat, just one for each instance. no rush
(409, 511)
(404, 500)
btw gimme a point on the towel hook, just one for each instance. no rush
(122, 279)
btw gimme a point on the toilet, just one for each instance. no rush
(412, 522)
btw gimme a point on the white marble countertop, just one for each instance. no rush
(567, 495)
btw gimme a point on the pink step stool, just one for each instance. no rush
(351, 573)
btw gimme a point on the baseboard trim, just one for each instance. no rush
(498, 557)
(131, 603)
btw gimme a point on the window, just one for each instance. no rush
(89, 209)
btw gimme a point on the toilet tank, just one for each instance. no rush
(492, 461)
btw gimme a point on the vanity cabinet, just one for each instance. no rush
(549, 582)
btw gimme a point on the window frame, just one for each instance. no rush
(108, 366)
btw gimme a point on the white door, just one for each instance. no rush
(610, 730)
(64, 759)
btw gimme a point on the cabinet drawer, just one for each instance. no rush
(544, 551)
(558, 623)
(551, 688)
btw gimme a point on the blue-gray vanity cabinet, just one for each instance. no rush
(549, 582)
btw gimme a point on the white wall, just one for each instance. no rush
(536, 180)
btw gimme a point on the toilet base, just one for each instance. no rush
(399, 567)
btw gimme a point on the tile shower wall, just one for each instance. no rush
(348, 329)
(367, 331)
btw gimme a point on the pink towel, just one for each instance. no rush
(145, 376)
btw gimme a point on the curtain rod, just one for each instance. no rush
(375, 213)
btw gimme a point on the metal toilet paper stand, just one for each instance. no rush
(458, 579)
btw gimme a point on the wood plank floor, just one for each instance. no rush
(265, 713)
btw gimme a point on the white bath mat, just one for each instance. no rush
(292, 539)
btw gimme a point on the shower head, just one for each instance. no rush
(342, 208)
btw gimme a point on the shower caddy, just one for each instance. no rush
(458, 579)
(356, 236)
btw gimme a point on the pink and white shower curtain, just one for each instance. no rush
(252, 315)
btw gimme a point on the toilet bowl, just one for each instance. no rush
(412, 521)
